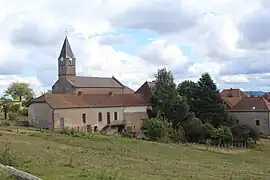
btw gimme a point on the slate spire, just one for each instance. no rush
(66, 51)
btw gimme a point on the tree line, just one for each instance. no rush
(192, 112)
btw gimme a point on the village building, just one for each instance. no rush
(87, 103)
(253, 110)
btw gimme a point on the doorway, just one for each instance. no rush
(95, 129)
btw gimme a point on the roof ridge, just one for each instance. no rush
(118, 81)
(242, 98)
(265, 102)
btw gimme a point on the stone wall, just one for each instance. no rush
(20, 175)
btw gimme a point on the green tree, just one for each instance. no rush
(187, 89)
(178, 113)
(19, 91)
(193, 127)
(209, 131)
(223, 134)
(155, 129)
(5, 104)
(164, 93)
(207, 103)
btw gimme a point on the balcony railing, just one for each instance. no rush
(118, 122)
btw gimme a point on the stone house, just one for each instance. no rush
(88, 112)
(87, 103)
(254, 111)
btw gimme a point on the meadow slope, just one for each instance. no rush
(59, 157)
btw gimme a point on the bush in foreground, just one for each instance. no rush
(155, 129)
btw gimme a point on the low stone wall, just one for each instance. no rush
(21, 175)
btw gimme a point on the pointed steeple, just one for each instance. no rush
(66, 51)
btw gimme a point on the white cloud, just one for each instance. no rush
(162, 53)
(34, 83)
(235, 79)
(223, 37)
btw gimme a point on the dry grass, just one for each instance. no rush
(59, 157)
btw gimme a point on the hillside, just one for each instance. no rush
(60, 157)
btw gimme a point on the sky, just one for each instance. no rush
(132, 39)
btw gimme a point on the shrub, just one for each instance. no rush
(223, 134)
(209, 130)
(15, 108)
(8, 157)
(13, 116)
(194, 129)
(24, 112)
(176, 135)
(67, 131)
(154, 129)
(254, 134)
(243, 132)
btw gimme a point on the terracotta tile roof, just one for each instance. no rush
(97, 82)
(115, 100)
(65, 100)
(231, 101)
(252, 104)
(232, 93)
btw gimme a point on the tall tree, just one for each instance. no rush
(207, 103)
(164, 92)
(5, 104)
(19, 91)
(187, 89)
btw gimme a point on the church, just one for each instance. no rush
(87, 103)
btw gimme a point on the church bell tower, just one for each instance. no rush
(66, 61)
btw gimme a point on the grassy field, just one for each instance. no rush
(60, 157)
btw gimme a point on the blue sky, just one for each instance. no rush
(131, 40)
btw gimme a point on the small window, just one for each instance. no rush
(99, 116)
(115, 115)
(84, 118)
(257, 122)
